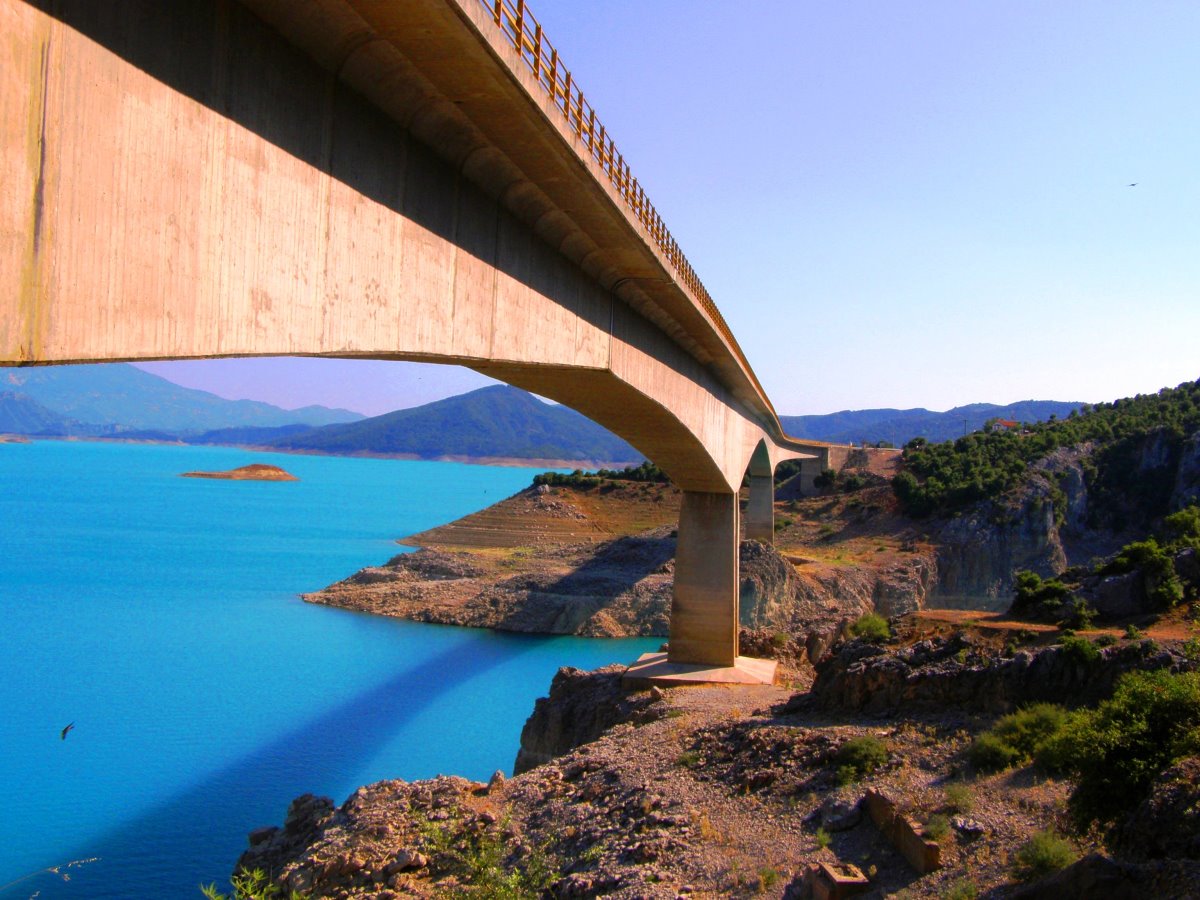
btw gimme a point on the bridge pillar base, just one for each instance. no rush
(704, 606)
(657, 669)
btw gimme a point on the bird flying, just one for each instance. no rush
(65, 730)
(1135, 184)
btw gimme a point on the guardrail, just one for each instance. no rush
(524, 32)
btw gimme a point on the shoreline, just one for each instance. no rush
(497, 461)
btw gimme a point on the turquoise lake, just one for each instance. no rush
(160, 615)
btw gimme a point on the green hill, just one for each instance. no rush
(497, 421)
(1134, 447)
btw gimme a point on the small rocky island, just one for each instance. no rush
(252, 472)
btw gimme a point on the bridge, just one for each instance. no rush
(412, 180)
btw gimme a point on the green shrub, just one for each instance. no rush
(1037, 597)
(1133, 633)
(1116, 750)
(252, 885)
(1043, 853)
(989, 753)
(1080, 649)
(825, 479)
(1077, 613)
(871, 627)
(823, 838)
(1015, 739)
(859, 757)
(1157, 567)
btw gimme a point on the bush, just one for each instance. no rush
(1015, 739)
(1157, 566)
(859, 757)
(1117, 749)
(825, 479)
(1043, 853)
(1080, 649)
(871, 627)
(252, 885)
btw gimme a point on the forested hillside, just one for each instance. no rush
(1134, 446)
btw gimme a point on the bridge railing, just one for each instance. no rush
(524, 32)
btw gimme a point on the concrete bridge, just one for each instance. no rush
(416, 180)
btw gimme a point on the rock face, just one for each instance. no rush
(581, 707)
(951, 673)
(1187, 476)
(979, 551)
(775, 595)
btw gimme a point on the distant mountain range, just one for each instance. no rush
(898, 426)
(119, 400)
(112, 398)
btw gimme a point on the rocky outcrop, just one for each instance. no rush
(581, 706)
(953, 673)
(1187, 476)
(252, 472)
(370, 841)
(980, 550)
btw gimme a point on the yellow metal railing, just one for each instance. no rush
(524, 32)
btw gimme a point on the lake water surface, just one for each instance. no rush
(159, 614)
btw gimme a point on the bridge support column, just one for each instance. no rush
(703, 644)
(760, 509)
(704, 610)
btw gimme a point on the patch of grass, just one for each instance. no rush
(937, 827)
(823, 839)
(871, 627)
(1043, 853)
(859, 757)
(960, 798)
(689, 759)
(767, 878)
(1017, 738)
(959, 890)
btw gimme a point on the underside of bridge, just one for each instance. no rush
(205, 179)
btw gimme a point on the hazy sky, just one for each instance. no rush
(896, 204)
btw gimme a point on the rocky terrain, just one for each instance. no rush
(599, 562)
(742, 792)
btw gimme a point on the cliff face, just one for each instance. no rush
(979, 551)
(1048, 524)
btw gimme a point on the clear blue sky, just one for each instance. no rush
(895, 204)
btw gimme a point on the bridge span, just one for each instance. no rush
(417, 180)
